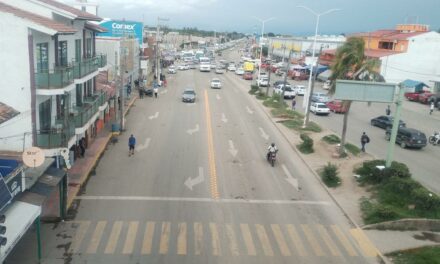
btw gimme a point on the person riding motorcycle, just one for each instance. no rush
(271, 149)
(437, 138)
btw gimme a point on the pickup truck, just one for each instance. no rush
(413, 96)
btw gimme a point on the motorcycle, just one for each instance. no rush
(271, 157)
(433, 138)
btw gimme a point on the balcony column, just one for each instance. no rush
(94, 43)
(55, 41)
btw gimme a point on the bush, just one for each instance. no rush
(306, 146)
(376, 213)
(254, 89)
(369, 173)
(331, 139)
(352, 149)
(396, 169)
(400, 186)
(329, 175)
(425, 200)
(261, 96)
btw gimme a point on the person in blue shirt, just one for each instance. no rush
(131, 145)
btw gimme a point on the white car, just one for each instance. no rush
(319, 109)
(172, 70)
(288, 91)
(231, 68)
(216, 83)
(300, 89)
(239, 71)
(263, 82)
(183, 67)
(219, 70)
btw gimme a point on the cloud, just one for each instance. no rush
(166, 6)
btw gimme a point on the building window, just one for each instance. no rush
(42, 53)
(62, 53)
(386, 45)
(79, 101)
(89, 47)
(44, 114)
(78, 50)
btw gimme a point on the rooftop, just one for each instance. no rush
(7, 112)
(80, 14)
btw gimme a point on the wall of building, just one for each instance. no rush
(27, 5)
(111, 47)
(15, 82)
(421, 62)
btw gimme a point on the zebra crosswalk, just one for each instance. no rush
(217, 239)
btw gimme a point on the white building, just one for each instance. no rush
(49, 67)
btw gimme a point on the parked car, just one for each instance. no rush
(232, 68)
(275, 84)
(413, 96)
(424, 97)
(408, 137)
(219, 70)
(189, 96)
(183, 67)
(172, 70)
(216, 83)
(289, 93)
(319, 109)
(248, 76)
(192, 66)
(319, 98)
(239, 71)
(263, 82)
(385, 122)
(336, 106)
(300, 89)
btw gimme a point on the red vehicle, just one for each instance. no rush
(248, 76)
(424, 97)
(413, 96)
(336, 106)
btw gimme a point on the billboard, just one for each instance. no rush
(121, 28)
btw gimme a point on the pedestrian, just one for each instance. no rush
(141, 93)
(119, 102)
(293, 104)
(131, 145)
(388, 110)
(156, 90)
(431, 108)
(364, 140)
(82, 145)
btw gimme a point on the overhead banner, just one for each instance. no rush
(121, 28)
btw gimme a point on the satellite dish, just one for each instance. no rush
(33, 157)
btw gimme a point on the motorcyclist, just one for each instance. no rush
(437, 138)
(271, 149)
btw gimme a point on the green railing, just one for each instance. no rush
(57, 137)
(89, 65)
(89, 109)
(57, 78)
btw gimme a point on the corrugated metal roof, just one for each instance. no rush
(40, 20)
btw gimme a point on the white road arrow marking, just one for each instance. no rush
(154, 116)
(263, 134)
(144, 146)
(224, 119)
(190, 183)
(290, 179)
(218, 97)
(249, 110)
(192, 131)
(164, 91)
(232, 149)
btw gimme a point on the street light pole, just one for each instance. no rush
(318, 16)
(261, 43)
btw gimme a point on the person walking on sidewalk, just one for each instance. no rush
(293, 104)
(156, 90)
(364, 140)
(131, 145)
(431, 108)
(388, 110)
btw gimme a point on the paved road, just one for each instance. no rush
(199, 190)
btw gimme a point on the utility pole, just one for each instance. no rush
(285, 74)
(157, 46)
(312, 87)
(123, 49)
(270, 71)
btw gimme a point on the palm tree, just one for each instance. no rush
(352, 64)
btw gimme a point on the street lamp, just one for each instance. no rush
(318, 15)
(261, 43)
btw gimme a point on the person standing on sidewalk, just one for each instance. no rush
(293, 104)
(431, 108)
(364, 140)
(131, 145)
(388, 110)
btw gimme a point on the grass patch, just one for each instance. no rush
(352, 149)
(274, 102)
(261, 96)
(395, 194)
(297, 125)
(329, 175)
(331, 139)
(254, 89)
(286, 113)
(423, 255)
(306, 147)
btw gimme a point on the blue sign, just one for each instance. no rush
(121, 28)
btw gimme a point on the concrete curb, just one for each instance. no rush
(382, 258)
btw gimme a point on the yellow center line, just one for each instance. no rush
(211, 154)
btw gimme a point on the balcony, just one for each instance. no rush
(89, 65)
(82, 114)
(57, 78)
(58, 136)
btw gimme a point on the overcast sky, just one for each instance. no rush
(237, 15)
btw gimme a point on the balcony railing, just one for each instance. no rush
(89, 65)
(57, 137)
(57, 78)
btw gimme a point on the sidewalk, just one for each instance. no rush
(347, 197)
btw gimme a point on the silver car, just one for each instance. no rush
(189, 96)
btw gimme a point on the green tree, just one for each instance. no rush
(352, 64)
(270, 35)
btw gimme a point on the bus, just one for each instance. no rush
(205, 64)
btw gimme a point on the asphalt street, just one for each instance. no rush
(199, 190)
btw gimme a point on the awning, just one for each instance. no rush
(48, 181)
(19, 217)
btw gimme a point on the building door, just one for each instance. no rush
(62, 53)
(79, 93)
(42, 53)
(44, 114)
(78, 50)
